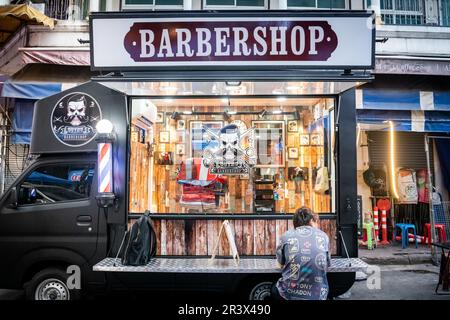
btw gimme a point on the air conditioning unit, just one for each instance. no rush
(144, 112)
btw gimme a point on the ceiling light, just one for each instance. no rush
(281, 99)
(168, 100)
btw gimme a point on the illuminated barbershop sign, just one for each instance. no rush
(309, 41)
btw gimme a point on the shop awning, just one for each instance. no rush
(14, 16)
(385, 99)
(25, 95)
(24, 90)
(404, 120)
(22, 120)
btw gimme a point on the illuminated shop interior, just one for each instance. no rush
(290, 147)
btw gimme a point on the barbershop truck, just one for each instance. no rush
(217, 125)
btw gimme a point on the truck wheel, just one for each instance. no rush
(260, 291)
(50, 284)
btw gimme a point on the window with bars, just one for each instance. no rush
(402, 12)
(239, 4)
(67, 9)
(317, 4)
(152, 4)
(445, 13)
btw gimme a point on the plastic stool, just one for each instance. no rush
(368, 226)
(440, 228)
(404, 227)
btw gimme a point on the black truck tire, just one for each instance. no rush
(256, 288)
(50, 284)
(260, 291)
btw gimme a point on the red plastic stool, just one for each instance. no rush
(440, 228)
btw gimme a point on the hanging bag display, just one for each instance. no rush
(407, 186)
(322, 181)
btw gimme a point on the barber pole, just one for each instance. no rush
(384, 231)
(105, 168)
(375, 221)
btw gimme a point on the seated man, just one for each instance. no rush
(303, 254)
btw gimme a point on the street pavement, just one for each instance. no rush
(401, 282)
(398, 282)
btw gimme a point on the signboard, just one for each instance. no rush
(326, 40)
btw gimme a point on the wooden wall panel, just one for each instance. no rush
(190, 231)
(163, 237)
(252, 237)
(201, 247)
(212, 232)
(260, 237)
(247, 237)
(157, 226)
(280, 229)
(270, 239)
(169, 237)
(238, 235)
(179, 241)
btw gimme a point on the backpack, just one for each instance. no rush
(140, 243)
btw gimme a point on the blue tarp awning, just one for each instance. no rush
(409, 110)
(397, 99)
(22, 120)
(25, 95)
(34, 91)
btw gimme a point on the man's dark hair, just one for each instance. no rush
(303, 216)
(78, 98)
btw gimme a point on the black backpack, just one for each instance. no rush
(140, 243)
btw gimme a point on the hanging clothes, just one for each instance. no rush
(422, 185)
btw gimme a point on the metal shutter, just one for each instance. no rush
(409, 149)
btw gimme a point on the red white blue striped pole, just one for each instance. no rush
(105, 139)
(105, 179)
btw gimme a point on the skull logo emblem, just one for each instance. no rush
(74, 118)
(76, 110)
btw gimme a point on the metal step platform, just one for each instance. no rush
(206, 265)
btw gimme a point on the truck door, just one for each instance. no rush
(56, 214)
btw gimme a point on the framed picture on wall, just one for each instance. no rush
(304, 139)
(316, 139)
(159, 117)
(181, 125)
(293, 153)
(292, 126)
(180, 149)
(164, 136)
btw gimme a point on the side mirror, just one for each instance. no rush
(13, 198)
